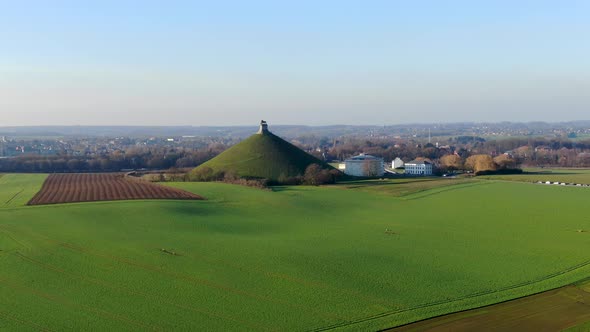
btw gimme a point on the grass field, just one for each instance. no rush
(401, 187)
(299, 258)
(568, 175)
(18, 189)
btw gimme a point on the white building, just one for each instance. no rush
(418, 167)
(364, 165)
(397, 163)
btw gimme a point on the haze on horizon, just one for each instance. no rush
(302, 62)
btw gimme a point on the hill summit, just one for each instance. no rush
(263, 155)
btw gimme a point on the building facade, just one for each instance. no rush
(418, 167)
(397, 163)
(364, 165)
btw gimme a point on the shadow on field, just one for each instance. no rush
(190, 210)
(281, 189)
(223, 220)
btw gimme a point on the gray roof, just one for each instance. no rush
(362, 157)
(418, 162)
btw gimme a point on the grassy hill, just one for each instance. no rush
(263, 156)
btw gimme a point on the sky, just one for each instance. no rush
(292, 62)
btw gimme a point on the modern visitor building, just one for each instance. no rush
(364, 165)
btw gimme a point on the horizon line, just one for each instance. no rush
(297, 125)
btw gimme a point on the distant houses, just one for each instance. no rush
(418, 167)
(364, 165)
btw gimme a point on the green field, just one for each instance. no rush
(18, 189)
(568, 175)
(404, 187)
(297, 258)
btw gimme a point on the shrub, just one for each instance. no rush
(315, 175)
(500, 171)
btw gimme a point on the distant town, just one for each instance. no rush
(81, 149)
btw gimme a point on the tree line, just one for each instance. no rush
(134, 158)
(479, 164)
(562, 152)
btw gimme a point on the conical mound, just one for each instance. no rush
(263, 155)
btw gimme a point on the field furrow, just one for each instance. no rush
(73, 188)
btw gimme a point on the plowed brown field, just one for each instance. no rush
(70, 188)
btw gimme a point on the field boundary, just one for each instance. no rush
(62, 205)
(462, 298)
(482, 311)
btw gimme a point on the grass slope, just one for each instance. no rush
(263, 156)
(18, 189)
(300, 258)
(401, 187)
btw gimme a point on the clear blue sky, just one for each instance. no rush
(315, 62)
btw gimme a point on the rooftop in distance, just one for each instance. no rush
(363, 156)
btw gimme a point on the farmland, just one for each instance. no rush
(554, 310)
(296, 258)
(71, 188)
(568, 175)
(17, 189)
(403, 187)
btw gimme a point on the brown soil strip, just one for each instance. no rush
(553, 310)
(72, 188)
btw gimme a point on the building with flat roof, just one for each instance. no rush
(418, 167)
(364, 165)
